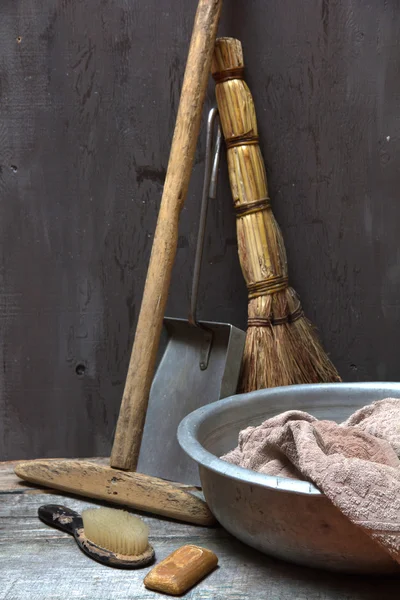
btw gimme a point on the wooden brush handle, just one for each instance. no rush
(61, 517)
(261, 247)
(128, 437)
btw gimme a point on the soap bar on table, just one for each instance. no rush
(181, 570)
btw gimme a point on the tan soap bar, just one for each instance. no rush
(181, 570)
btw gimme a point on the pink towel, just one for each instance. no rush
(355, 464)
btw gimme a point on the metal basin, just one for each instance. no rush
(285, 518)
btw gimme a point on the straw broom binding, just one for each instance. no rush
(282, 347)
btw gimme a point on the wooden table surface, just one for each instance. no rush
(38, 562)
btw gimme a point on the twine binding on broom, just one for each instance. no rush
(267, 286)
(271, 321)
(242, 140)
(252, 207)
(229, 74)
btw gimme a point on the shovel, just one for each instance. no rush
(120, 483)
(200, 361)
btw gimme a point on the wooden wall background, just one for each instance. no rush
(89, 91)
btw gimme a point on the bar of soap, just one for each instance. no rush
(181, 570)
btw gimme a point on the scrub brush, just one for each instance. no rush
(110, 536)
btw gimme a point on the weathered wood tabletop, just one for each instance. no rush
(38, 562)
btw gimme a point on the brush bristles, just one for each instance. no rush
(286, 354)
(116, 530)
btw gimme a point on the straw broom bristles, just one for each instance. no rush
(282, 347)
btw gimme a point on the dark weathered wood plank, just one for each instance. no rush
(39, 562)
(53, 566)
(88, 100)
(89, 96)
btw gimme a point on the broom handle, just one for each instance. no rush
(129, 431)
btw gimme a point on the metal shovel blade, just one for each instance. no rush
(199, 362)
(180, 385)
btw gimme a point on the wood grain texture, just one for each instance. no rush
(134, 490)
(132, 415)
(11, 482)
(41, 563)
(89, 99)
(88, 103)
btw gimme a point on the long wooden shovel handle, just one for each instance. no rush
(128, 437)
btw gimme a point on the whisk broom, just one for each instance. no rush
(282, 346)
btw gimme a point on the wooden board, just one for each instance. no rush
(41, 563)
(88, 101)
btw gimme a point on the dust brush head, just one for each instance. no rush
(108, 535)
(116, 530)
